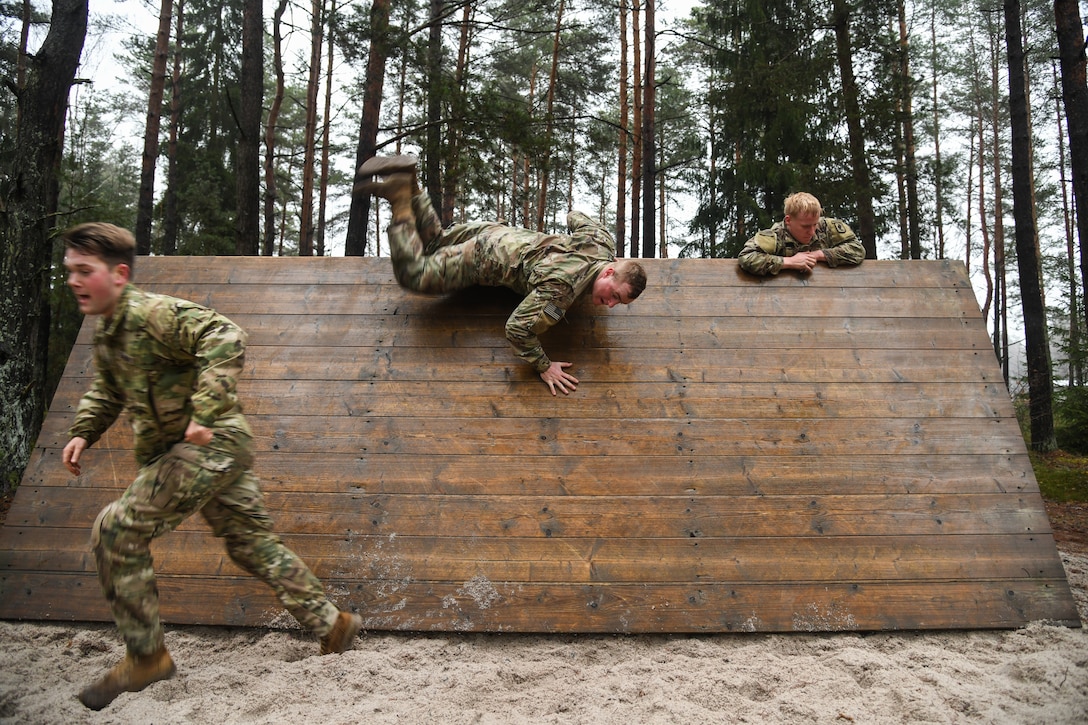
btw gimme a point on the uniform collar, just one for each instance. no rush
(110, 326)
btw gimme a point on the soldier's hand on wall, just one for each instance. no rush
(802, 261)
(556, 377)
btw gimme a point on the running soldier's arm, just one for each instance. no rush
(99, 407)
(219, 347)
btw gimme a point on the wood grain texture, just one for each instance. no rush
(819, 453)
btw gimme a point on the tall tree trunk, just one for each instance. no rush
(1076, 355)
(662, 240)
(549, 123)
(525, 170)
(1037, 342)
(20, 63)
(572, 163)
(938, 176)
(432, 169)
(636, 127)
(649, 155)
(914, 225)
(1075, 98)
(621, 170)
(863, 195)
(968, 228)
(170, 197)
(28, 197)
(270, 188)
(146, 203)
(355, 244)
(901, 182)
(451, 180)
(247, 226)
(980, 121)
(326, 125)
(1001, 298)
(306, 212)
(715, 203)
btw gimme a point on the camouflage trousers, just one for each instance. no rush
(216, 481)
(427, 258)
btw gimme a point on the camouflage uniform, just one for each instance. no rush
(763, 253)
(166, 361)
(551, 270)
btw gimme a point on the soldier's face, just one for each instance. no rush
(95, 284)
(802, 228)
(608, 291)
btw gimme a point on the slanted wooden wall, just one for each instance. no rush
(829, 452)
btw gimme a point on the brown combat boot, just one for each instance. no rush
(133, 674)
(397, 189)
(385, 165)
(342, 635)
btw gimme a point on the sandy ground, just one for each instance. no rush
(1038, 674)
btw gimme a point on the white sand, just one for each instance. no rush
(1035, 675)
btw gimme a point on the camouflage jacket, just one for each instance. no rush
(763, 253)
(551, 270)
(164, 361)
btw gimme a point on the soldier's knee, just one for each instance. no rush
(116, 531)
(579, 221)
(106, 526)
(407, 276)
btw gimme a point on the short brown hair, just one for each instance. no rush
(110, 243)
(631, 272)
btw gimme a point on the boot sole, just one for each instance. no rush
(384, 165)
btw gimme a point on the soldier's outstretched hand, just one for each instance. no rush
(556, 377)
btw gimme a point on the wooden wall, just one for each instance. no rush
(830, 452)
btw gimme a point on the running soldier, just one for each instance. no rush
(172, 365)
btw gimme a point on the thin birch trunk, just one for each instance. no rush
(270, 186)
(170, 197)
(636, 127)
(325, 132)
(1076, 361)
(146, 202)
(549, 123)
(621, 166)
(306, 212)
(649, 154)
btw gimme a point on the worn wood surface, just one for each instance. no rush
(831, 452)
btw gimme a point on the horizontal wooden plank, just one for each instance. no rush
(352, 513)
(448, 399)
(466, 474)
(480, 605)
(280, 271)
(382, 559)
(622, 366)
(589, 332)
(797, 302)
(555, 436)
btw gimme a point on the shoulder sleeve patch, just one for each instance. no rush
(553, 311)
(767, 242)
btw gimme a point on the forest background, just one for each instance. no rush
(937, 129)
